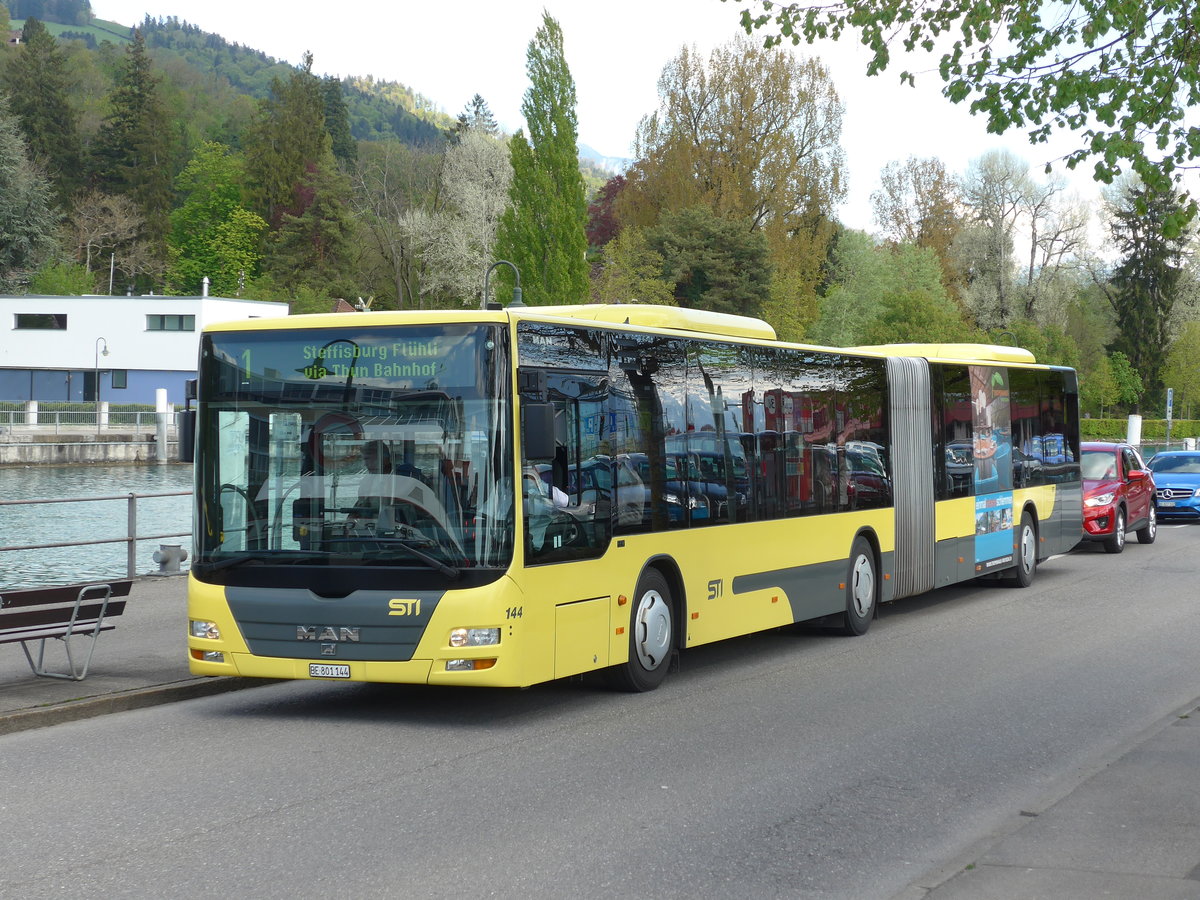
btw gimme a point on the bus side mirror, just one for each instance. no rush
(537, 430)
(187, 435)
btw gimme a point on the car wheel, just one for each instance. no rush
(1026, 553)
(651, 637)
(1116, 543)
(862, 588)
(1148, 532)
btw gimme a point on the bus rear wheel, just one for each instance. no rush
(1026, 548)
(862, 588)
(651, 636)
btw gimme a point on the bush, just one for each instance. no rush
(1152, 429)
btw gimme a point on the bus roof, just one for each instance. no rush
(677, 317)
(957, 352)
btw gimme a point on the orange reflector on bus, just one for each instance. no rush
(774, 599)
(621, 630)
(622, 600)
(887, 576)
(695, 615)
(841, 585)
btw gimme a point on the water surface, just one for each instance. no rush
(22, 525)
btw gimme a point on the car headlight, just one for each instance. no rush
(1100, 500)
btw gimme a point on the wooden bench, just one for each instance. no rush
(77, 610)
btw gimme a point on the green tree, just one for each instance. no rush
(213, 235)
(863, 273)
(314, 245)
(63, 279)
(1118, 73)
(917, 315)
(918, 202)
(632, 271)
(1146, 283)
(754, 135)
(477, 116)
(543, 231)
(1182, 369)
(39, 88)
(337, 123)
(1129, 381)
(27, 216)
(1098, 389)
(715, 264)
(287, 142)
(133, 150)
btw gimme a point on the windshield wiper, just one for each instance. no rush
(411, 546)
(262, 557)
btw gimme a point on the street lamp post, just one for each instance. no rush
(99, 352)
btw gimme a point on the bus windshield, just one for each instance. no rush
(379, 447)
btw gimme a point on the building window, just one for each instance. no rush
(40, 321)
(120, 379)
(170, 323)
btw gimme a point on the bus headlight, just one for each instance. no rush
(474, 637)
(206, 630)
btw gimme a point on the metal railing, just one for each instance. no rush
(58, 420)
(130, 539)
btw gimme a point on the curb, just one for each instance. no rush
(139, 698)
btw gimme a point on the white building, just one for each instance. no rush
(54, 349)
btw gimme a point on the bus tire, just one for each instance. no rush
(862, 588)
(651, 636)
(1026, 548)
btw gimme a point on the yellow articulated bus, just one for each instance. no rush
(508, 496)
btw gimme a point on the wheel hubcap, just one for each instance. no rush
(652, 630)
(862, 586)
(1028, 548)
(1119, 534)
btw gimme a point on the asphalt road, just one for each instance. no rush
(790, 764)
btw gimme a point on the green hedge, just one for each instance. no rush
(1152, 429)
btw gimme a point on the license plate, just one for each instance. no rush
(1167, 503)
(324, 670)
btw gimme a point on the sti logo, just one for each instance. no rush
(401, 607)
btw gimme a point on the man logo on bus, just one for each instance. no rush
(326, 633)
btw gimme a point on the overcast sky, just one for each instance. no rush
(616, 51)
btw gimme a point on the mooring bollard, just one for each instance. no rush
(168, 557)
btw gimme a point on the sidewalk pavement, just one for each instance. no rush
(141, 662)
(1128, 828)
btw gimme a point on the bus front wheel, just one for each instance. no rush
(651, 636)
(862, 588)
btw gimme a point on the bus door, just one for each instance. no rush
(568, 480)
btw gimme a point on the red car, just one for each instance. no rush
(1118, 495)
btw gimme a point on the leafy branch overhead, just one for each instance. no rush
(1122, 75)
